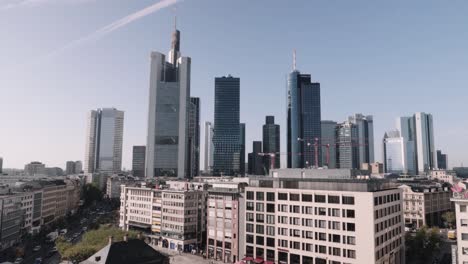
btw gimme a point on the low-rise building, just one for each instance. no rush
(444, 176)
(305, 221)
(11, 220)
(424, 204)
(113, 189)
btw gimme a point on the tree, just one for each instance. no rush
(449, 218)
(91, 194)
(422, 246)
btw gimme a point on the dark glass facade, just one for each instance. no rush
(138, 161)
(242, 154)
(227, 136)
(271, 142)
(256, 160)
(441, 160)
(347, 155)
(304, 117)
(193, 160)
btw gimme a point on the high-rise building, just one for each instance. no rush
(442, 160)
(329, 143)
(227, 138)
(193, 167)
(405, 125)
(138, 161)
(104, 141)
(256, 166)
(271, 144)
(70, 168)
(365, 137)
(394, 150)
(1, 165)
(304, 116)
(242, 153)
(208, 147)
(426, 152)
(78, 166)
(347, 151)
(168, 113)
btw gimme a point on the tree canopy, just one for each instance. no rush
(421, 247)
(91, 194)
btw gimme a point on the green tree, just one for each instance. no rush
(449, 218)
(422, 246)
(91, 194)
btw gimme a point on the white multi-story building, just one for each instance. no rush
(444, 176)
(305, 221)
(424, 205)
(104, 141)
(460, 199)
(174, 216)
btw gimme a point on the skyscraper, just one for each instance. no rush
(70, 168)
(271, 143)
(347, 146)
(256, 160)
(442, 160)
(104, 141)
(405, 125)
(394, 150)
(208, 147)
(329, 139)
(167, 143)
(242, 153)
(138, 161)
(78, 166)
(425, 150)
(227, 138)
(365, 137)
(304, 116)
(194, 138)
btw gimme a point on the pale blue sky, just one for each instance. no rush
(385, 58)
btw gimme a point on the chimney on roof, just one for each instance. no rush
(111, 240)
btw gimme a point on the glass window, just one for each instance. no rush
(282, 196)
(260, 229)
(260, 196)
(259, 207)
(463, 208)
(260, 240)
(350, 200)
(320, 198)
(249, 206)
(294, 197)
(250, 195)
(270, 219)
(270, 197)
(249, 217)
(249, 228)
(350, 213)
(271, 230)
(464, 236)
(307, 197)
(270, 242)
(464, 222)
(270, 208)
(249, 238)
(333, 199)
(260, 218)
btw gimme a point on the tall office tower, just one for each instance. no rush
(304, 116)
(208, 147)
(256, 159)
(425, 150)
(347, 151)
(193, 167)
(271, 143)
(407, 131)
(242, 153)
(365, 140)
(1, 165)
(78, 166)
(226, 139)
(394, 150)
(138, 161)
(329, 143)
(442, 160)
(104, 141)
(70, 168)
(168, 113)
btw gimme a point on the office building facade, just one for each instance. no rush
(168, 113)
(271, 144)
(193, 166)
(34, 168)
(442, 160)
(394, 149)
(227, 137)
(104, 141)
(209, 148)
(329, 143)
(256, 159)
(347, 148)
(304, 120)
(365, 137)
(425, 149)
(242, 152)
(138, 161)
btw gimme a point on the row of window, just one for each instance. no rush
(387, 236)
(379, 213)
(285, 257)
(271, 197)
(386, 199)
(396, 220)
(385, 250)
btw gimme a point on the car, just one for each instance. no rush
(18, 261)
(36, 248)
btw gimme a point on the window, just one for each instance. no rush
(321, 211)
(320, 198)
(307, 197)
(350, 227)
(260, 240)
(270, 219)
(307, 247)
(294, 220)
(321, 249)
(283, 243)
(270, 208)
(350, 200)
(334, 212)
(271, 230)
(260, 229)
(333, 199)
(350, 213)
(335, 238)
(321, 223)
(334, 225)
(464, 237)
(250, 206)
(249, 217)
(282, 208)
(270, 242)
(249, 238)
(464, 222)
(250, 195)
(309, 234)
(351, 240)
(249, 251)
(283, 196)
(270, 197)
(282, 219)
(260, 196)
(282, 231)
(308, 222)
(295, 209)
(308, 210)
(294, 197)
(249, 228)
(320, 236)
(260, 207)
(351, 254)
(295, 245)
(295, 233)
(336, 251)
(260, 218)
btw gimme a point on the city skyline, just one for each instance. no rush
(23, 141)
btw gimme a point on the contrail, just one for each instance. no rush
(114, 26)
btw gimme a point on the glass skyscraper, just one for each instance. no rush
(271, 143)
(347, 146)
(138, 161)
(394, 150)
(304, 117)
(242, 154)
(193, 167)
(227, 136)
(365, 137)
(329, 138)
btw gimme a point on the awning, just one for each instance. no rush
(258, 260)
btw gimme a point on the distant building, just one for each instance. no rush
(227, 136)
(1, 165)
(347, 150)
(444, 176)
(424, 205)
(329, 143)
(242, 152)
(365, 137)
(73, 167)
(208, 147)
(394, 149)
(426, 152)
(256, 159)
(303, 120)
(373, 168)
(53, 171)
(104, 141)
(114, 183)
(271, 144)
(34, 168)
(138, 161)
(78, 167)
(193, 169)
(442, 160)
